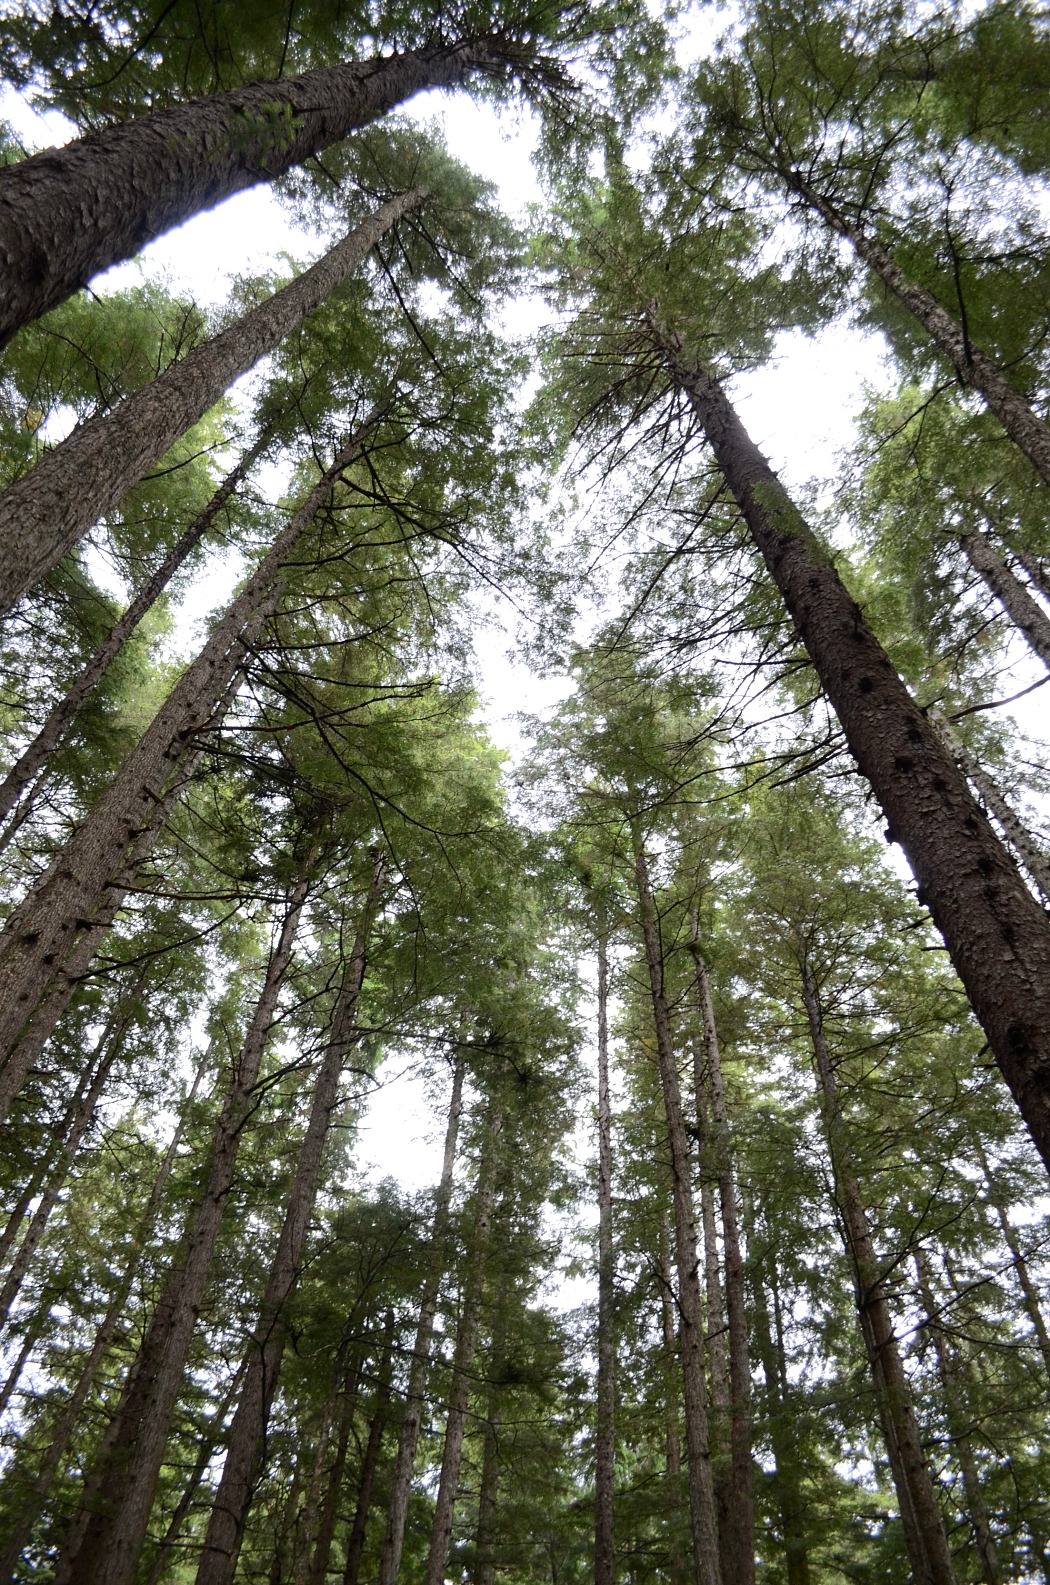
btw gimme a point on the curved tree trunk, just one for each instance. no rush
(605, 1405)
(690, 1303)
(66, 214)
(45, 512)
(42, 933)
(240, 1472)
(996, 933)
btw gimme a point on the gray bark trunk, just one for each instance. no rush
(605, 1407)
(45, 512)
(355, 1542)
(229, 1512)
(1026, 614)
(42, 933)
(974, 367)
(16, 787)
(120, 1487)
(996, 933)
(401, 1479)
(702, 1513)
(921, 1517)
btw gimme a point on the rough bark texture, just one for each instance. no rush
(702, 1514)
(45, 512)
(463, 1362)
(34, 757)
(67, 213)
(738, 1547)
(1026, 614)
(401, 1478)
(229, 1513)
(605, 1406)
(42, 933)
(974, 367)
(355, 1541)
(953, 1389)
(924, 1531)
(995, 931)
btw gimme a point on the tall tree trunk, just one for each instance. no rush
(1026, 614)
(1029, 1293)
(488, 1496)
(924, 1532)
(341, 1392)
(738, 1549)
(229, 1512)
(45, 512)
(471, 1293)
(34, 1332)
(207, 1444)
(950, 1371)
(1034, 570)
(120, 1485)
(401, 1479)
(975, 368)
(34, 1498)
(690, 1303)
(42, 932)
(786, 1485)
(355, 1543)
(995, 931)
(605, 1406)
(13, 789)
(66, 214)
(678, 1573)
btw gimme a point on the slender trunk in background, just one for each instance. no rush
(401, 1479)
(355, 1542)
(484, 1570)
(690, 1302)
(786, 1487)
(343, 1388)
(1016, 832)
(34, 1332)
(207, 1446)
(677, 1570)
(975, 368)
(322, 1532)
(42, 932)
(45, 512)
(240, 1472)
(15, 788)
(996, 933)
(738, 1547)
(67, 213)
(921, 1517)
(1025, 613)
(1029, 1292)
(1034, 571)
(120, 1484)
(718, 1365)
(32, 1499)
(471, 1294)
(950, 1370)
(605, 1406)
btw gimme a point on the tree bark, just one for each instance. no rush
(16, 784)
(678, 1573)
(738, 1548)
(785, 1480)
(1026, 614)
(229, 1513)
(488, 1498)
(471, 1293)
(120, 1486)
(975, 368)
(1029, 1293)
(924, 1531)
(1034, 570)
(42, 932)
(401, 1480)
(702, 1514)
(605, 1405)
(949, 1369)
(46, 511)
(355, 1542)
(206, 1452)
(995, 931)
(67, 213)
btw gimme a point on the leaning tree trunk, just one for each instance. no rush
(1026, 614)
(995, 931)
(120, 1487)
(411, 1420)
(738, 1548)
(45, 512)
(975, 368)
(605, 1394)
(355, 1541)
(690, 1303)
(66, 214)
(229, 1513)
(1035, 572)
(950, 1371)
(463, 1361)
(16, 788)
(42, 933)
(924, 1532)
